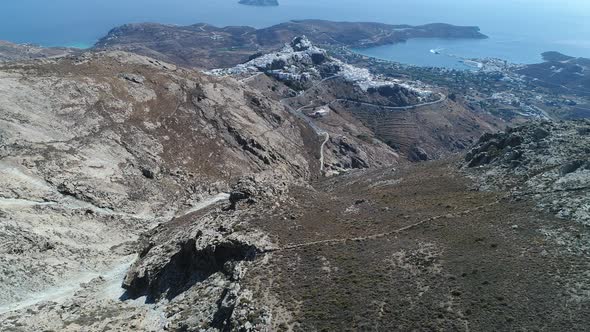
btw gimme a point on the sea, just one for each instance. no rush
(519, 30)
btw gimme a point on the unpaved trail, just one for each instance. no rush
(111, 289)
(68, 289)
(322, 167)
(205, 203)
(8, 203)
(249, 78)
(382, 235)
(21, 179)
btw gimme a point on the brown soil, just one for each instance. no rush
(472, 261)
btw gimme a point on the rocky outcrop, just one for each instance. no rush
(347, 156)
(418, 154)
(203, 258)
(190, 265)
(546, 160)
(252, 188)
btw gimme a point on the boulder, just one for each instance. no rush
(418, 154)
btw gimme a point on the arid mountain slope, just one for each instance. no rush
(98, 148)
(416, 248)
(168, 116)
(396, 249)
(202, 198)
(277, 194)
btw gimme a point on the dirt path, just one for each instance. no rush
(322, 167)
(249, 78)
(382, 235)
(205, 203)
(66, 290)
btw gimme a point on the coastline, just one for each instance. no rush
(463, 54)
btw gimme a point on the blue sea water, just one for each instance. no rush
(450, 53)
(519, 30)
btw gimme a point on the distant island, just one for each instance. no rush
(261, 3)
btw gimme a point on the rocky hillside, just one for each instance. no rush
(418, 121)
(139, 196)
(545, 160)
(561, 74)
(99, 148)
(206, 46)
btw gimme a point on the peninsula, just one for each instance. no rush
(207, 46)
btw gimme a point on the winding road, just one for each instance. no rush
(409, 107)
(299, 114)
(249, 78)
(320, 131)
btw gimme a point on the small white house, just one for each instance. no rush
(320, 113)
